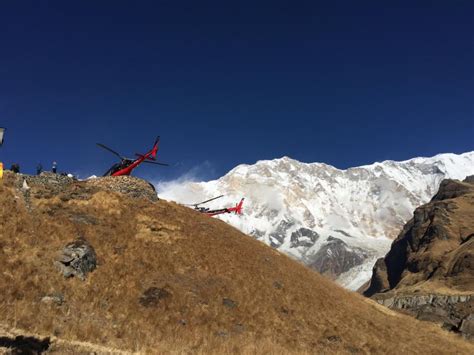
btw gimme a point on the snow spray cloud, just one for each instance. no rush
(185, 188)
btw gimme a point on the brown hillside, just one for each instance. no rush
(169, 279)
(429, 270)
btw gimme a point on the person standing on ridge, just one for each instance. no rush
(55, 167)
(39, 169)
(15, 168)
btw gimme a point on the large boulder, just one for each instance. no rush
(77, 259)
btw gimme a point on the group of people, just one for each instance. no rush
(39, 168)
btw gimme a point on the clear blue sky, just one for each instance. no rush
(223, 83)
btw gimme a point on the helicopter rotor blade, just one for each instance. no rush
(203, 202)
(110, 150)
(155, 162)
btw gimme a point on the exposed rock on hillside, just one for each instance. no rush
(453, 312)
(429, 270)
(49, 185)
(77, 259)
(128, 185)
(336, 257)
(303, 237)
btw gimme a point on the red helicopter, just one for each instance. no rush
(126, 165)
(237, 209)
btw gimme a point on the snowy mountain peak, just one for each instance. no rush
(337, 221)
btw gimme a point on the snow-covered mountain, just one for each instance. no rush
(336, 221)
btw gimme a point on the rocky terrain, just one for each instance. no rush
(338, 222)
(429, 270)
(103, 267)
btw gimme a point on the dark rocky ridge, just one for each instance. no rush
(454, 313)
(333, 259)
(429, 270)
(303, 237)
(336, 257)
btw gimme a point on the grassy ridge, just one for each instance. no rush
(220, 291)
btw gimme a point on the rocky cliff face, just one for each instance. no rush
(429, 270)
(336, 257)
(319, 214)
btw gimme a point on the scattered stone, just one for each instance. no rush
(83, 219)
(239, 328)
(353, 350)
(77, 259)
(278, 285)
(334, 339)
(222, 334)
(152, 296)
(56, 298)
(229, 303)
(467, 327)
(54, 183)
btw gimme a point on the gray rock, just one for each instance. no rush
(77, 259)
(278, 285)
(469, 179)
(467, 327)
(222, 333)
(336, 257)
(453, 312)
(229, 303)
(278, 235)
(303, 237)
(56, 298)
(239, 328)
(153, 296)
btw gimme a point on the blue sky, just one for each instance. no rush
(341, 82)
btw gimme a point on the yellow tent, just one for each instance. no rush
(1, 170)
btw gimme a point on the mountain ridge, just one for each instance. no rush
(428, 271)
(414, 160)
(363, 207)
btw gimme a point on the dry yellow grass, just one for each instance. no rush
(280, 306)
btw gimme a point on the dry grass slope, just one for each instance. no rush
(172, 280)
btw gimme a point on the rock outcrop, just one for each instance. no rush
(453, 312)
(48, 185)
(303, 237)
(128, 185)
(77, 259)
(429, 270)
(336, 257)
